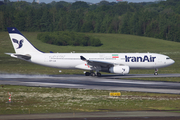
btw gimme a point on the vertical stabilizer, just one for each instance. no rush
(20, 43)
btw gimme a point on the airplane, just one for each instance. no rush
(94, 63)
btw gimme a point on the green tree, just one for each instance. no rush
(79, 4)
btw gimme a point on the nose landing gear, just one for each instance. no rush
(156, 72)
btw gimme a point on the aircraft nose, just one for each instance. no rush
(172, 61)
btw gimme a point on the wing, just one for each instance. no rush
(15, 41)
(97, 63)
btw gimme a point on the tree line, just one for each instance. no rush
(160, 19)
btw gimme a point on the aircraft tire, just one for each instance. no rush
(87, 74)
(99, 74)
(93, 74)
(155, 73)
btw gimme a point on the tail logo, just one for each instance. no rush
(20, 43)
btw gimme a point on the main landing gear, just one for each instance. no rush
(93, 74)
(156, 72)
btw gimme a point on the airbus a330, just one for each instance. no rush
(94, 63)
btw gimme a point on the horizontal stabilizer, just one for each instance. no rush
(25, 57)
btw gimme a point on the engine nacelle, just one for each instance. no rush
(119, 70)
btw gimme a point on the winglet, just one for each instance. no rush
(83, 58)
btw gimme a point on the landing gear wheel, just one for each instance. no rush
(156, 73)
(99, 74)
(93, 74)
(87, 73)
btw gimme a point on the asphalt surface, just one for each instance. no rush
(106, 82)
(134, 115)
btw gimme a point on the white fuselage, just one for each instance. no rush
(72, 60)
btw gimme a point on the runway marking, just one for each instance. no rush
(45, 84)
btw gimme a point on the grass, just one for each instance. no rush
(29, 100)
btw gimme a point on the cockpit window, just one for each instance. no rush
(167, 58)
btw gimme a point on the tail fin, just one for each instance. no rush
(20, 43)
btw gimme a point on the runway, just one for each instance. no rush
(106, 82)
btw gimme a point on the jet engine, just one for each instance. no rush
(119, 69)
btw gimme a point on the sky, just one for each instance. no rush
(91, 1)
